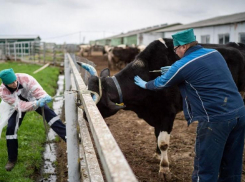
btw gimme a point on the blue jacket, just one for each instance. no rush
(206, 85)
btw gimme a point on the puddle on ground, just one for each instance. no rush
(48, 172)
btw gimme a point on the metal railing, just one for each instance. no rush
(113, 162)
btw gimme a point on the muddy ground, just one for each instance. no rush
(138, 143)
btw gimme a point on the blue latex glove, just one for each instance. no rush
(41, 102)
(165, 69)
(94, 97)
(88, 67)
(138, 81)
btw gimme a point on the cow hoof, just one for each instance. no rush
(165, 175)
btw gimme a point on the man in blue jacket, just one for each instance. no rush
(210, 96)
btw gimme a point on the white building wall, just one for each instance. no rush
(232, 29)
(240, 29)
(150, 37)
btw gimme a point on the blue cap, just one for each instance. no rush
(8, 76)
(183, 37)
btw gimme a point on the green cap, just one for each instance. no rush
(8, 76)
(183, 37)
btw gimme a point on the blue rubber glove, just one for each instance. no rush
(88, 67)
(41, 102)
(94, 97)
(165, 69)
(138, 81)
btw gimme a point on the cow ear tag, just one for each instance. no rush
(121, 104)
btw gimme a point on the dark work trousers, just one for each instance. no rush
(14, 124)
(219, 151)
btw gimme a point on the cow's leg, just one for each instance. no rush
(163, 144)
(157, 155)
(163, 138)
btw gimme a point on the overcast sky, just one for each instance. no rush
(78, 21)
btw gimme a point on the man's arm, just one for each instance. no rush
(170, 78)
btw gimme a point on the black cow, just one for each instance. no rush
(158, 108)
(118, 57)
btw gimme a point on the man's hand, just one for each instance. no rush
(165, 69)
(138, 81)
(41, 102)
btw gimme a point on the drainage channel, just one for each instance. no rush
(48, 172)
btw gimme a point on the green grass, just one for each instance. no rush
(31, 134)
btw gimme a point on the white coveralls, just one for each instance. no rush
(16, 103)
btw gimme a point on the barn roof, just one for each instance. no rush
(220, 20)
(20, 37)
(143, 30)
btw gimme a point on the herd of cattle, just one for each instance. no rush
(118, 57)
(158, 108)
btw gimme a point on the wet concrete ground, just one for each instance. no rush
(48, 172)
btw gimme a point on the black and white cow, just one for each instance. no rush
(158, 108)
(118, 57)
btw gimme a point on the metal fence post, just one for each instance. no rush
(29, 49)
(44, 49)
(67, 74)
(8, 50)
(15, 52)
(72, 136)
(21, 52)
(39, 50)
(54, 55)
(33, 50)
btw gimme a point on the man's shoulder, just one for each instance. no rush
(199, 54)
(22, 74)
(24, 78)
(194, 57)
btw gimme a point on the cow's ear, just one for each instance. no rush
(105, 73)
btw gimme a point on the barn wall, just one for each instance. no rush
(92, 42)
(17, 40)
(116, 41)
(147, 38)
(130, 40)
(233, 30)
(240, 28)
(103, 42)
(100, 42)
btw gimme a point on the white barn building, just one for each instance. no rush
(218, 30)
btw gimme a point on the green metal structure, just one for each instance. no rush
(130, 40)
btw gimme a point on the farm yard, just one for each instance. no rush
(137, 141)
(124, 123)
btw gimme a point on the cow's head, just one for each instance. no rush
(104, 85)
